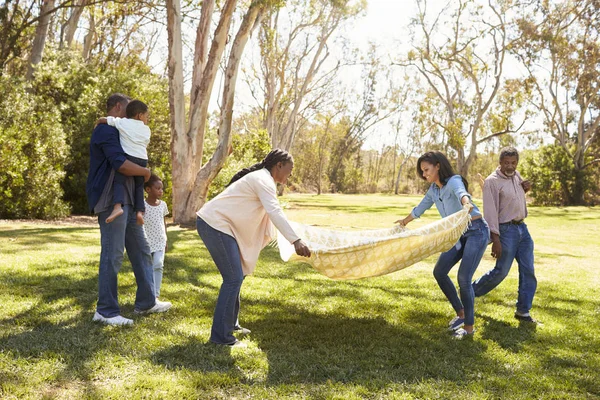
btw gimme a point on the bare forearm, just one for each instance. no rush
(129, 168)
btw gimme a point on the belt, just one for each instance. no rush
(514, 222)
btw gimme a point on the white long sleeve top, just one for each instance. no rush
(247, 211)
(134, 135)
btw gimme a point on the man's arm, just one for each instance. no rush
(129, 168)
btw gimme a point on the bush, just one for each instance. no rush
(32, 154)
(553, 175)
(80, 90)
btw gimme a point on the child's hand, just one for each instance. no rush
(101, 121)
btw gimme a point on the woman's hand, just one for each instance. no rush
(405, 221)
(301, 248)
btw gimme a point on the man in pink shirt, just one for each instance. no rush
(505, 210)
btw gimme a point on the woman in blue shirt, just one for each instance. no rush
(449, 193)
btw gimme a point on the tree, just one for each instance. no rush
(41, 32)
(560, 48)
(191, 179)
(372, 109)
(465, 73)
(294, 75)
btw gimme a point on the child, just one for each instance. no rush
(156, 227)
(135, 136)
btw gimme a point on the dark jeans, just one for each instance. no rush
(119, 186)
(225, 253)
(516, 244)
(123, 233)
(469, 250)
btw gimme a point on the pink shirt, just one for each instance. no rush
(503, 199)
(247, 210)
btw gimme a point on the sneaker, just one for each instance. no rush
(460, 334)
(241, 331)
(159, 307)
(456, 323)
(118, 320)
(526, 318)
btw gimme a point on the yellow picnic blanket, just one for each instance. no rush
(365, 253)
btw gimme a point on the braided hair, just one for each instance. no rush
(268, 162)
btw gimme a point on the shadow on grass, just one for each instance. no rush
(73, 340)
(508, 336)
(306, 347)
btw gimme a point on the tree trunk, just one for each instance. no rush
(73, 22)
(191, 180)
(41, 33)
(179, 148)
(89, 37)
(210, 170)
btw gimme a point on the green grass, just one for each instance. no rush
(311, 337)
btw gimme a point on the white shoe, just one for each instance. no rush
(160, 306)
(118, 320)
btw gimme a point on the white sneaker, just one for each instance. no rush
(160, 306)
(118, 320)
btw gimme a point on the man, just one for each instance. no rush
(106, 157)
(505, 210)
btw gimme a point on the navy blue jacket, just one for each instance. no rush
(105, 153)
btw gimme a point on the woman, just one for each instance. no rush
(449, 193)
(236, 225)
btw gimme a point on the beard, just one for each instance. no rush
(509, 173)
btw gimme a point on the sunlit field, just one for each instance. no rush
(312, 337)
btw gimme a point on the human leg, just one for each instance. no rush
(527, 279)
(112, 242)
(444, 264)
(118, 197)
(509, 239)
(225, 253)
(475, 244)
(138, 201)
(138, 252)
(158, 261)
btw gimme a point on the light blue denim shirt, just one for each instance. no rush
(446, 199)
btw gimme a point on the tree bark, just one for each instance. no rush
(41, 33)
(73, 22)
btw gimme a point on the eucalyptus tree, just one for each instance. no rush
(297, 70)
(559, 46)
(191, 178)
(460, 51)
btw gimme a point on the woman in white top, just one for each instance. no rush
(236, 225)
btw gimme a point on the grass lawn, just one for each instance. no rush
(312, 337)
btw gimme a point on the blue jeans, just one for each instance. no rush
(123, 233)
(470, 249)
(225, 253)
(516, 243)
(119, 186)
(158, 263)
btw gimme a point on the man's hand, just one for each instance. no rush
(496, 246)
(147, 174)
(526, 185)
(301, 248)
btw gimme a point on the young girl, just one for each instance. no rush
(156, 227)
(449, 193)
